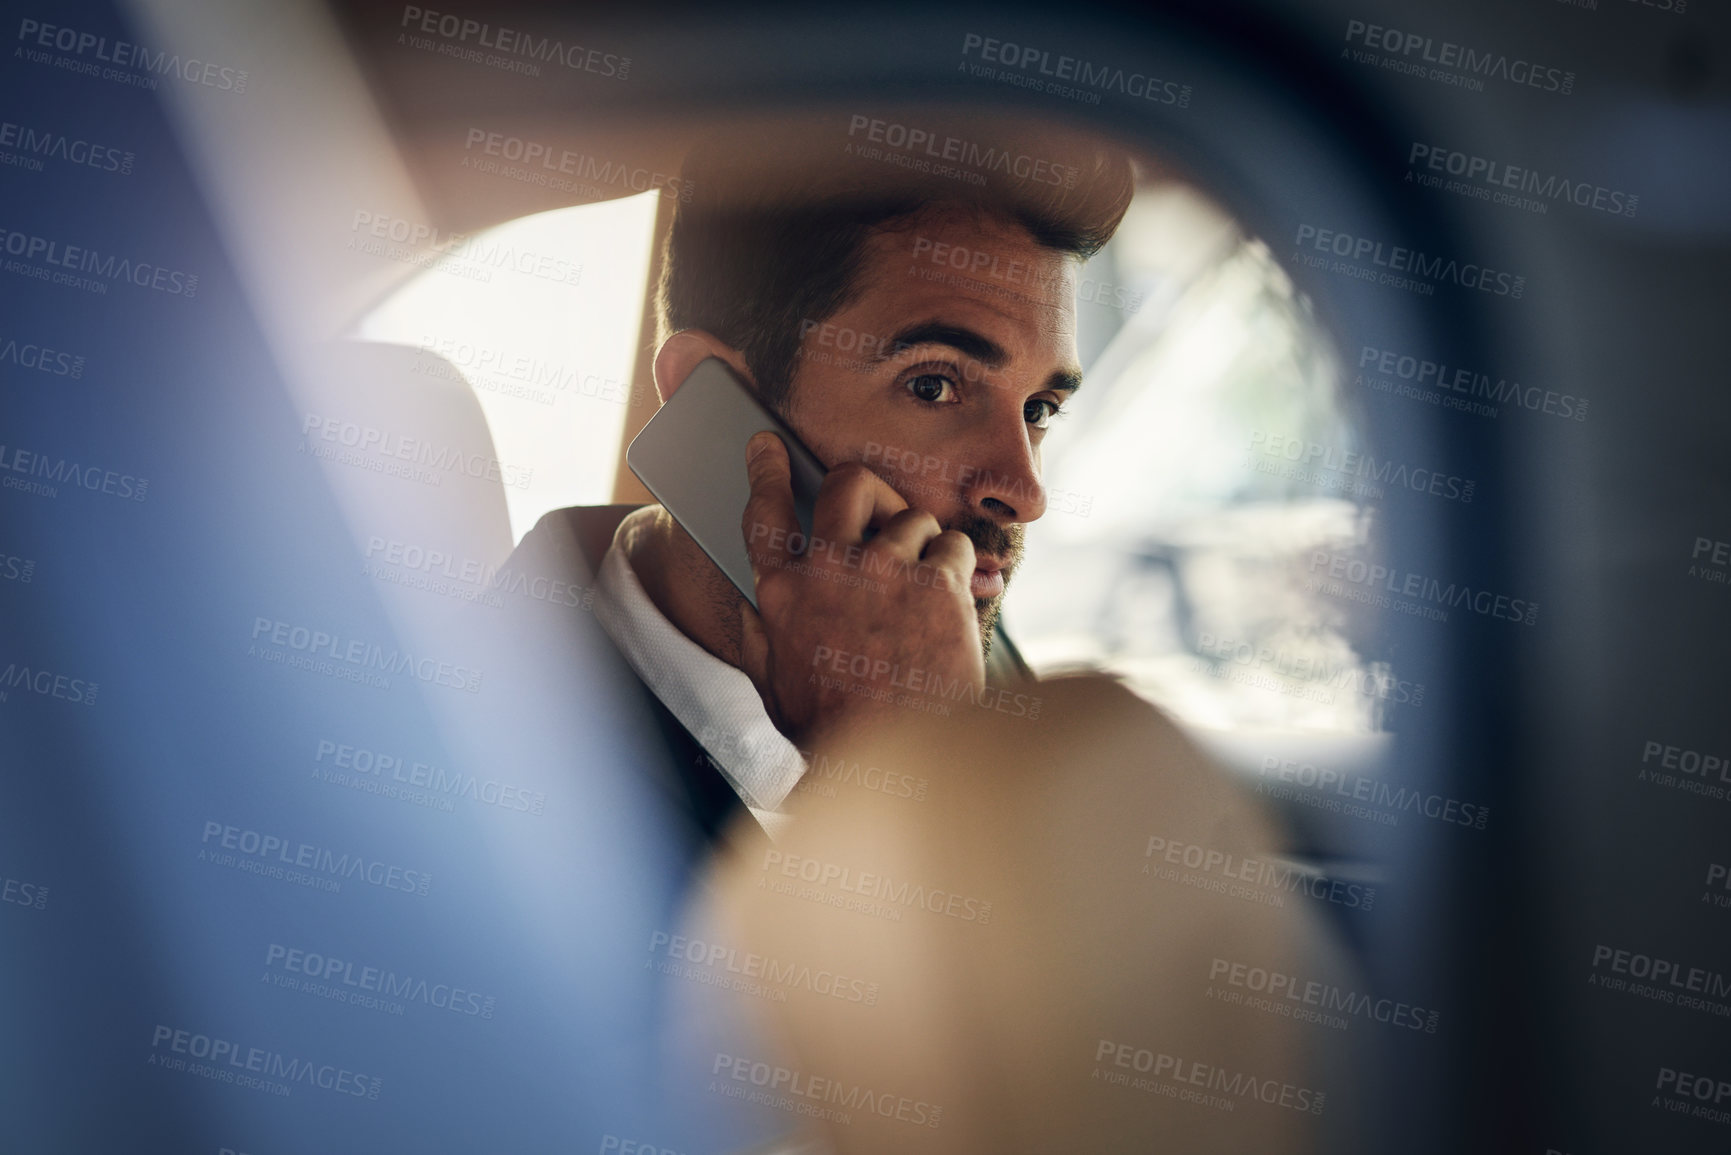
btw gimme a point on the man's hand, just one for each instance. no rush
(851, 620)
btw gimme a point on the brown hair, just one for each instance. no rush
(775, 231)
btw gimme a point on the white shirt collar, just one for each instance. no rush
(716, 702)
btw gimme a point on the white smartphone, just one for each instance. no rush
(691, 456)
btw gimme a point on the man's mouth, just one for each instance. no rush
(997, 549)
(988, 578)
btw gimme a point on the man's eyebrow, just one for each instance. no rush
(1064, 380)
(981, 348)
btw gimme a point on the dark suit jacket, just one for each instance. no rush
(567, 545)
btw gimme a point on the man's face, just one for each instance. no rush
(943, 377)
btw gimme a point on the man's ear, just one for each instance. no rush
(684, 351)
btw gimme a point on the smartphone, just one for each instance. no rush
(691, 456)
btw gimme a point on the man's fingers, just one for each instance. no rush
(769, 519)
(907, 533)
(754, 655)
(852, 499)
(952, 552)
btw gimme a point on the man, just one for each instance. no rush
(1029, 945)
(918, 333)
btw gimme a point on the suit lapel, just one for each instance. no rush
(713, 802)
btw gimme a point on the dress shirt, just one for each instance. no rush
(714, 701)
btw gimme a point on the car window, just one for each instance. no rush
(540, 316)
(1178, 534)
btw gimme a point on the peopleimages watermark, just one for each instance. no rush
(1674, 7)
(614, 1145)
(48, 472)
(392, 775)
(386, 451)
(1354, 795)
(1321, 674)
(1260, 881)
(493, 369)
(303, 863)
(1453, 387)
(1686, 770)
(856, 351)
(45, 683)
(441, 572)
(433, 571)
(41, 358)
(535, 162)
(1288, 996)
(797, 553)
(1718, 879)
(1398, 267)
(913, 687)
(930, 146)
(1481, 178)
(989, 270)
(1350, 471)
(88, 54)
(1690, 1094)
(26, 147)
(926, 474)
(503, 48)
(353, 659)
(866, 892)
(1445, 62)
(256, 1068)
(1194, 1081)
(21, 893)
(852, 348)
(814, 1096)
(1661, 980)
(17, 569)
(1716, 568)
(87, 269)
(1383, 587)
(1069, 77)
(823, 772)
(473, 257)
(369, 987)
(713, 963)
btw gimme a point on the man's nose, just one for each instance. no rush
(1005, 485)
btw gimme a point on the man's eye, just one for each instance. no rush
(1039, 412)
(933, 387)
